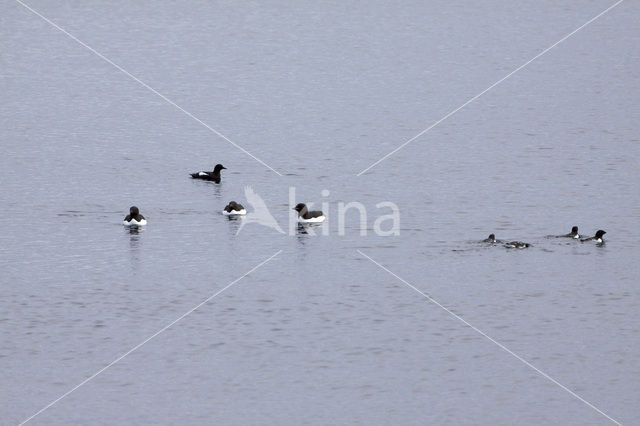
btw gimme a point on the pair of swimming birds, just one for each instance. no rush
(598, 238)
(304, 214)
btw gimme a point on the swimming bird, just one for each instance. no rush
(214, 175)
(597, 238)
(491, 239)
(134, 218)
(260, 213)
(517, 244)
(573, 234)
(306, 216)
(234, 208)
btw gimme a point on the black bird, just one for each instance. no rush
(304, 215)
(517, 244)
(573, 234)
(134, 218)
(214, 175)
(597, 238)
(491, 239)
(234, 208)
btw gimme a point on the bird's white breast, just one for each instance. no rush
(234, 212)
(134, 222)
(318, 219)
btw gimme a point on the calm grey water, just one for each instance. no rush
(319, 335)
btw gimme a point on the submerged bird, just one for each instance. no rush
(517, 244)
(597, 238)
(573, 234)
(234, 208)
(491, 239)
(214, 175)
(306, 216)
(134, 218)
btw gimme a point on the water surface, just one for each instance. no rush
(319, 92)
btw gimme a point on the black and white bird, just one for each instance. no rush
(134, 218)
(517, 244)
(213, 176)
(573, 234)
(234, 208)
(597, 238)
(491, 239)
(306, 216)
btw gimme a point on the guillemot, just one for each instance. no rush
(597, 238)
(490, 239)
(517, 244)
(234, 208)
(573, 234)
(134, 218)
(213, 176)
(306, 216)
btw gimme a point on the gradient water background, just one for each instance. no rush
(319, 92)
